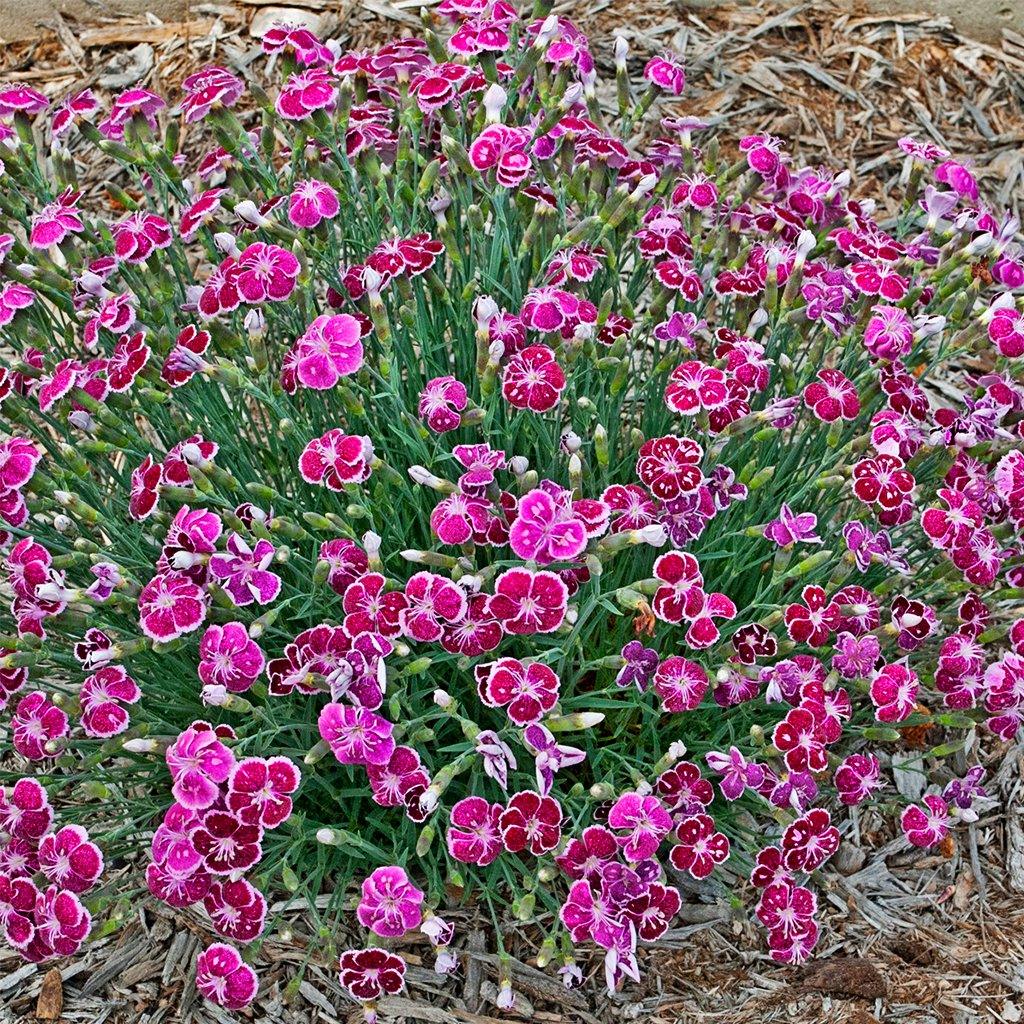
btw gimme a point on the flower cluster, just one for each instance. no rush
(422, 494)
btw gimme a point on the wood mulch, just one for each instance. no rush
(906, 938)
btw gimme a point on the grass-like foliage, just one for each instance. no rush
(442, 482)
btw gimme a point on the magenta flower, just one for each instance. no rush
(18, 898)
(645, 822)
(18, 461)
(546, 530)
(809, 841)
(25, 812)
(305, 92)
(504, 149)
(927, 825)
(667, 73)
(432, 601)
(69, 860)
(792, 528)
(533, 379)
(699, 847)
(693, 386)
(311, 202)
(391, 782)
(531, 822)
(260, 790)
(368, 974)
(237, 909)
(102, 699)
(227, 844)
(223, 978)
(474, 834)
(355, 735)
(56, 221)
(170, 605)
(61, 923)
(527, 692)
(330, 348)
(369, 608)
(139, 235)
(243, 571)
(390, 905)
(198, 762)
(894, 692)
(266, 273)
(857, 778)
(229, 658)
(737, 772)
(460, 518)
(441, 402)
(832, 396)
(786, 908)
(525, 602)
(38, 726)
(22, 99)
(680, 684)
(336, 459)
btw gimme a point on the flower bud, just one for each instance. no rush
(494, 103)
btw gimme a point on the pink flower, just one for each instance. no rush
(680, 684)
(355, 735)
(139, 235)
(928, 825)
(1006, 332)
(69, 859)
(102, 699)
(266, 273)
(38, 726)
(525, 602)
(62, 924)
(786, 908)
(832, 396)
(236, 908)
(737, 772)
(368, 974)
(229, 658)
(531, 821)
(799, 737)
(336, 459)
(533, 379)
(330, 348)
(207, 89)
(14, 296)
(432, 601)
(82, 104)
(458, 518)
(260, 790)
(694, 386)
(170, 605)
(894, 693)
(55, 221)
(882, 480)
(223, 978)
(474, 835)
(528, 692)
(243, 571)
(18, 460)
(198, 762)
(305, 92)
(369, 608)
(667, 73)
(18, 898)
(311, 202)
(699, 846)
(390, 905)
(670, 466)
(792, 528)
(814, 621)
(391, 782)
(441, 401)
(545, 529)
(22, 99)
(226, 843)
(653, 912)
(645, 821)
(25, 812)
(504, 149)
(346, 562)
(857, 778)
(809, 841)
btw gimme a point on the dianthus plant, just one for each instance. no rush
(433, 484)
